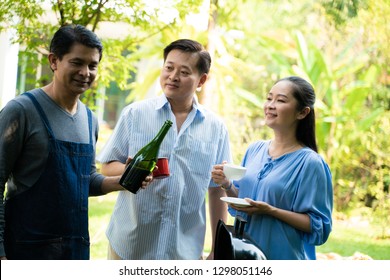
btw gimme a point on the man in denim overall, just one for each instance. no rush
(47, 157)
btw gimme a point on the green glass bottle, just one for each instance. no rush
(143, 162)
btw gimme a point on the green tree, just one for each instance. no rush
(35, 21)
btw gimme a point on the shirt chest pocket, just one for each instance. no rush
(202, 155)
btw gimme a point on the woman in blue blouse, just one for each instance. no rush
(287, 183)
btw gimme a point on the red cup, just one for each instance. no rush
(163, 169)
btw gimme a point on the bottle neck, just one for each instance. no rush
(163, 131)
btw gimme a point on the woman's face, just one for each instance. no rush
(280, 109)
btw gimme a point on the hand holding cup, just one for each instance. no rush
(162, 170)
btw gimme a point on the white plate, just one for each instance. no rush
(238, 202)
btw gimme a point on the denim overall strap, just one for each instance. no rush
(50, 219)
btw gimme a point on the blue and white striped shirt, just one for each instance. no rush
(167, 220)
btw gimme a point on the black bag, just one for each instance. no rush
(231, 243)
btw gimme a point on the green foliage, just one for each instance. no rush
(35, 21)
(342, 10)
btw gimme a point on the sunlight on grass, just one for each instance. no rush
(349, 237)
(100, 210)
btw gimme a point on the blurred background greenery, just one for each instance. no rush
(341, 46)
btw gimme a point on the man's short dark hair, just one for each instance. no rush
(68, 35)
(191, 46)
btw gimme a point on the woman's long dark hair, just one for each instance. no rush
(304, 93)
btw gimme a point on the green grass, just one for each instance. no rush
(347, 238)
(100, 210)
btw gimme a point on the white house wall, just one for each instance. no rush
(8, 68)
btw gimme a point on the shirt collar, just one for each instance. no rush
(162, 101)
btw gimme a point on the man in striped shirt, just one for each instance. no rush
(167, 220)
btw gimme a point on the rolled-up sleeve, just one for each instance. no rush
(315, 197)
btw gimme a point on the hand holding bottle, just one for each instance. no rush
(148, 179)
(144, 162)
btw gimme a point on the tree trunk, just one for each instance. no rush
(206, 96)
